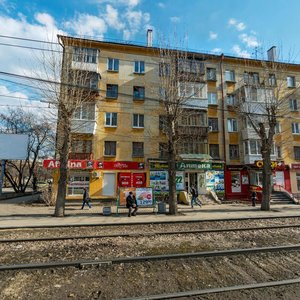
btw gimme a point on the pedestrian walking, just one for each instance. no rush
(253, 198)
(131, 204)
(86, 198)
(195, 199)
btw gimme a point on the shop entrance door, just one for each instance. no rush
(201, 183)
(109, 181)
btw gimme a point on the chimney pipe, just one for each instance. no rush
(272, 54)
(149, 37)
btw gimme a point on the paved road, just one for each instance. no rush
(17, 213)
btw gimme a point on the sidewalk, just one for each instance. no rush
(15, 213)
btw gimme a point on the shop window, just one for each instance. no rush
(76, 184)
(110, 148)
(137, 149)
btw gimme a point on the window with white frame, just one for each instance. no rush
(162, 93)
(93, 81)
(255, 147)
(251, 78)
(229, 75)
(293, 104)
(193, 119)
(138, 93)
(297, 152)
(86, 55)
(110, 148)
(213, 124)
(291, 82)
(190, 66)
(111, 119)
(232, 125)
(272, 80)
(139, 67)
(113, 64)
(296, 128)
(212, 98)
(76, 183)
(193, 147)
(234, 152)
(85, 111)
(231, 99)
(278, 151)
(192, 90)
(277, 128)
(164, 69)
(138, 121)
(137, 149)
(246, 147)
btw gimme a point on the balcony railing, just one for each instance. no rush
(193, 130)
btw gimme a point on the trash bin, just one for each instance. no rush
(106, 211)
(161, 207)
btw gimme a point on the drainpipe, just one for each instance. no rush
(223, 116)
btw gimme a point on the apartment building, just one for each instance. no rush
(118, 138)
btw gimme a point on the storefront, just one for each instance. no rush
(103, 178)
(295, 179)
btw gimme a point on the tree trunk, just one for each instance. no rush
(267, 184)
(172, 179)
(64, 138)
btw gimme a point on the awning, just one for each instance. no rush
(198, 157)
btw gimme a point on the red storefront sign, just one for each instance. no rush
(131, 179)
(119, 165)
(72, 164)
(94, 164)
(139, 179)
(124, 180)
(295, 167)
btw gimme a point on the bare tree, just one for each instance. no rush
(181, 91)
(68, 83)
(18, 121)
(263, 101)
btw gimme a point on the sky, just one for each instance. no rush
(245, 28)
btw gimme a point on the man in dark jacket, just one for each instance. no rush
(195, 199)
(86, 198)
(131, 204)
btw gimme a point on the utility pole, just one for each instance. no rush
(2, 175)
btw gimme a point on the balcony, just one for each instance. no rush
(81, 156)
(251, 158)
(249, 134)
(83, 126)
(193, 131)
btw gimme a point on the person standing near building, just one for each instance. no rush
(194, 193)
(131, 204)
(86, 198)
(253, 198)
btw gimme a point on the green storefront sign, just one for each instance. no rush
(193, 165)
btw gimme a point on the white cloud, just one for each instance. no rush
(130, 3)
(250, 40)
(45, 19)
(240, 26)
(213, 35)
(239, 52)
(161, 5)
(112, 18)
(175, 19)
(87, 25)
(216, 50)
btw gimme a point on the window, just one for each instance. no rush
(164, 69)
(213, 124)
(229, 75)
(234, 151)
(77, 182)
(162, 93)
(291, 81)
(192, 90)
(110, 148)
(93, 81)
(190, 66)
(137, 149)
(86, 111)
(295, 128)
(214, 150)
(297, 152)
(251, 78)
(81, 146)
(255, 147)
(163, 150)
(278, 151)
(212, 98)
(293, 105)
(272, 80)
(246, 147)
(86, 55)
(193, 147)
(112, 91)
(139, 67)
(138, 93)
(138, 121)
(113, 64)
(111, 119)
(277, 128)
(231, 99)
(193, 119)
(232, 125)
(211, 74)
(298, 181)
(162, 122)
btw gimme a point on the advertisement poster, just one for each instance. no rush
(210, 180)
(159, 180)
(179, 181)
(139, 179)
(124, 179)
(144, 196)
(219, 183)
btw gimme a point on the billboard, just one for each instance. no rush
(13, 146)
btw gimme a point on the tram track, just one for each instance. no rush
(137, 234)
